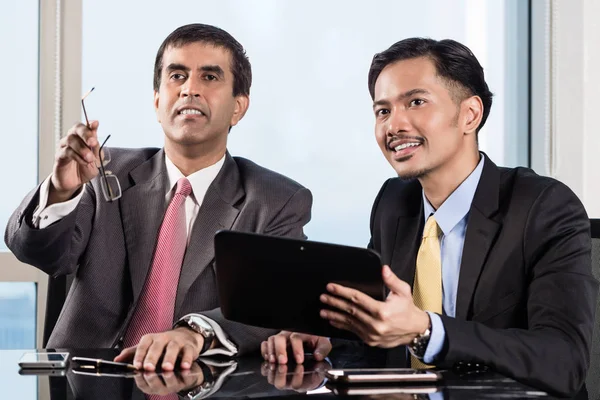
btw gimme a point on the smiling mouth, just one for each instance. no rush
(404, 146)
(190, 111)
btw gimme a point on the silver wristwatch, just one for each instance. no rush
(201, 326)
(418, 346)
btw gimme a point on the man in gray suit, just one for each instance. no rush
(71, 224)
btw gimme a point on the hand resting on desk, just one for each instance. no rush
(275, 349)
(170, 345)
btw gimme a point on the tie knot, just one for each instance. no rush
(431, 228)
(184, 187)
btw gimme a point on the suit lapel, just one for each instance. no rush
(142, 208)
(407, 237)
(406, 240)
(480, 235)
(217, 212)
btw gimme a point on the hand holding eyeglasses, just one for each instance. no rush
(79, 159)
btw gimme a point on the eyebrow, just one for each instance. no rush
(176, 67)
(215, 69)
(401, 97)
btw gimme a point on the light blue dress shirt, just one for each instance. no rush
(452, 217)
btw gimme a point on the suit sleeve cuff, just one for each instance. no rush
(45, 216)
(436, 340)
(224, 346)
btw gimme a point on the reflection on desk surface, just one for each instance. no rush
(219, 378)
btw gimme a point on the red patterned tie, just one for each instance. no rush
(154, 312)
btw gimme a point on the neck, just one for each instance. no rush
(191, 158)
(439, 184)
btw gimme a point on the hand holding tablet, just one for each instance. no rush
(275, 282)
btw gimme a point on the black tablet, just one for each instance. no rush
(275, 282)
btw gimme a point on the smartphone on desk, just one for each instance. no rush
(43, 360)
(381, 375)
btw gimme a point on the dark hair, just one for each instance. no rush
(453, 61)
(192, 33)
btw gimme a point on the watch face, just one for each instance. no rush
(201, 322)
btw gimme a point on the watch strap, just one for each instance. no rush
(418, 346)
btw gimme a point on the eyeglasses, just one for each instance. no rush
(111, 189)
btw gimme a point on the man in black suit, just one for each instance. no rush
(498, 258)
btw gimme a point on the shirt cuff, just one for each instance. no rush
(436, 340)
(225, 346)
(45, 216)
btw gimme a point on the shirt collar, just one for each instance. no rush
(200, 180)
(458, 204)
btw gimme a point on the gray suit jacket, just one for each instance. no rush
(109, 246)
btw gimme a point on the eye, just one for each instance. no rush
(417, 102)
(210, 77)
(177, 76)
(382, 111)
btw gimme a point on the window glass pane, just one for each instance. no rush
(17, 315)
(19, 104)
(310, 113)
(14, 386)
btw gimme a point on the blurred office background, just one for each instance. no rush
(310, 115)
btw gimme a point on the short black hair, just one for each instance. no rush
(192, 33)
(453, 61)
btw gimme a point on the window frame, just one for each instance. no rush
(59, 55)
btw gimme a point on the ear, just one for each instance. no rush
(472, 112)
(156, 98)
(241, 106)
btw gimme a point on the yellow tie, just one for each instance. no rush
(427, 288)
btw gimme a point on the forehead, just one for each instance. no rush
(402, 76)
(198, 54)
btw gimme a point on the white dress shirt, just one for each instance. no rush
(200, 180)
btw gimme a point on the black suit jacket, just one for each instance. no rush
(526, 294)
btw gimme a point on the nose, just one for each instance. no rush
(191, 88)
(397, 123)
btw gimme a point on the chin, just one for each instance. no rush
(190, 141)
(408, 176)
(189, 138)
(410, 173)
